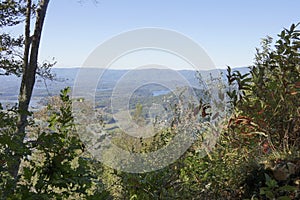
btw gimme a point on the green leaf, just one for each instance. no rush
(284, 198)
(288, 188)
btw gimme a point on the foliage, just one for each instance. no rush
(9, 61)
(173, 181)
(260, 140)
(138, 115)
(12, 13)
(159, 184)
(55, 164)
(8, 148)
(272, 190)
(266, 114)
(264, 124)
(269, 95)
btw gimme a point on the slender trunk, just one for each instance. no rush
(14, 168)
(28, 78)
(27, 35)
(27, 43)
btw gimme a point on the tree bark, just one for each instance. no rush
(30, 64)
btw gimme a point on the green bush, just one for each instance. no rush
(55, 164)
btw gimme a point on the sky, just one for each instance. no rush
(227, 30)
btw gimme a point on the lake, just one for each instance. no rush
(160, 92)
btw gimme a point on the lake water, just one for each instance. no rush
(160, 92)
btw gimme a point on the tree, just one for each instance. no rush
(30, 60)
(15, 12)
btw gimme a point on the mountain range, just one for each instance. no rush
(156, 81)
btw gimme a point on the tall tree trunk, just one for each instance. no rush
(30, 58)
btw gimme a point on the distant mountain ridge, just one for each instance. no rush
(65, 77)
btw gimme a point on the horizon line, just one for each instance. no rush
(176, 69)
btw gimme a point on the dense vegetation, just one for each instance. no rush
(257, 155)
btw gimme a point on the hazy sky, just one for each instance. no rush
(228, 30)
